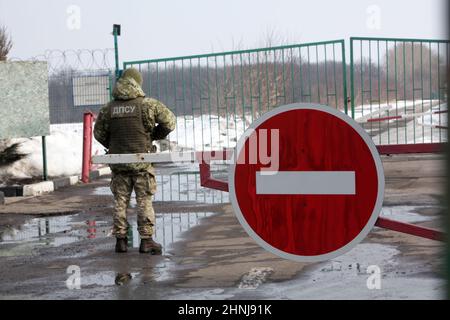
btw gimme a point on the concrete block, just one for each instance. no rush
(12, 191)
(104, 171)
(61, 182)
(74, 180)
(38, 188)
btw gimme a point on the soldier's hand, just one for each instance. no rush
(160, 132)
(164, 145)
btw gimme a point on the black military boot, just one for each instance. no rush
(122, 245)
(150, 246)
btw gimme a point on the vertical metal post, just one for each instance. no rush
(110, 86)
(116, 34)
(44, 159)
(344, 77)
(87, 146)
(352, 80)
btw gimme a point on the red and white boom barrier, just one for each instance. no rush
(208, 181)
(406, 117)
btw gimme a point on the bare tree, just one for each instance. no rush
(415, 70)
(5, 44)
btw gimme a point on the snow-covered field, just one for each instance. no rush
(224, 132)
(207, 132)
(64, 145)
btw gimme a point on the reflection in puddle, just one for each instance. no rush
(44, 229)
(60, 230)
(184, 186)
(56, 231)
(169, 227)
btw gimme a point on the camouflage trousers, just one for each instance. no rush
(144, 186)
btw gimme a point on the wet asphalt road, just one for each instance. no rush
(207, 254)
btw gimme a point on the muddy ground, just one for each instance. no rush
(207, 254)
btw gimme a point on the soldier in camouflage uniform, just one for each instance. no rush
(127, 125)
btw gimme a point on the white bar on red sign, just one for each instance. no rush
(305, 182)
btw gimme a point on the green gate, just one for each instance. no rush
(216, 96)
(398, 89)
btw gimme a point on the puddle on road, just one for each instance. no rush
(61, 230)
(345, 277)
(181, 186)
(57, 231)
(349, 277)
(44, 231)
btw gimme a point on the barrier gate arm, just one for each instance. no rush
(207, 181)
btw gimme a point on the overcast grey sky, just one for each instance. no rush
(155, 29)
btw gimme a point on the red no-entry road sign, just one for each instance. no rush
(307, 182)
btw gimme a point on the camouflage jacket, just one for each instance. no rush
(158, 120)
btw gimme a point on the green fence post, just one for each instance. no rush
(116, 34)
(352, 80)
(44, 158)
(110, 89)
(344, 77)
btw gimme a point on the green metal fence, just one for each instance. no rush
(398, 88)
(216, 96)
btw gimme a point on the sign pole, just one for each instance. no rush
(116, 34)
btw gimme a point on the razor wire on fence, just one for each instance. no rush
(76, 60)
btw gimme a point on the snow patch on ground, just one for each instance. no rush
(64, 153)
(209, 132)
(406, 214)
(255, 277)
